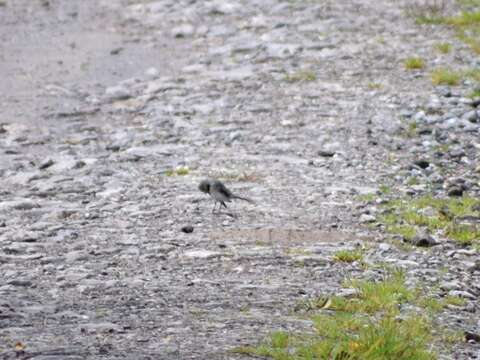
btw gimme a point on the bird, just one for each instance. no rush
(219, 192)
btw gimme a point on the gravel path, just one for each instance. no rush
(300, 105)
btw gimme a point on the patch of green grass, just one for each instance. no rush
(178, 171)
(367, 197)
(413, 180)
(427, 13)
(470, 40)
(296, 251)
(406, 231)
(348, 256)
(452, 336)
(432, 19)
(444, 47)
(414, 63)
(463, 234)
(344, 336)
(381, 39)
(301, 76)
(469, 3)
(442, 148)
(454, 300)
(435, 305)
(446, 76)
(366, 327)
(385, 189)
(473, 74)
(261, 243)
(431, 304)
(466, 24)
(475, 93)
(244, 350)
(405, 216)
(374, 86)
(382, 296)
(349, 337)
(312, 304)
(409, 132)
(466, 18)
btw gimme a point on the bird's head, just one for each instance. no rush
(204, 186)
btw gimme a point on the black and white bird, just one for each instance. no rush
(219, 192)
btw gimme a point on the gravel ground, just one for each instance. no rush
(113, 111)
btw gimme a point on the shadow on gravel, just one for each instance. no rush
(285, 236)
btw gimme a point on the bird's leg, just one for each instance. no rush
(214, 206)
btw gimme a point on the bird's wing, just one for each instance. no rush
(222, 189)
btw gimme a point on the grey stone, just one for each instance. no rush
(419, 116)
(21, 204)
(20, 283)
(183, 31)
(74, 256)
(152, 73)
(451, 123)
(236, 74)
(118, 92)
(221, 7)
(462, 294)
(101, 327)
(384, 247)
(326, 153)
(451, 285)
(367, 218)
(281, 51)
(46, 164)
(202, 254)
(471, 116)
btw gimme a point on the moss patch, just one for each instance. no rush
(368, 326)
(439, 216)
(348, 256)
(414, 63)
(301, 76)
(443, 47)
(446, 76)
(178, 171)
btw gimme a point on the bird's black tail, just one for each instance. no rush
(243, 198)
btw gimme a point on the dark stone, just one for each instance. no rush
(116, 51)
(79, 164)
(422, 163)
(46, 164)
(23, 283)
(475, 102)
(470, 336)
(113, 147)
(456, 153)
(326, 153)
(425, 131)
(423, 239)
(187, 229)
(455, 191)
